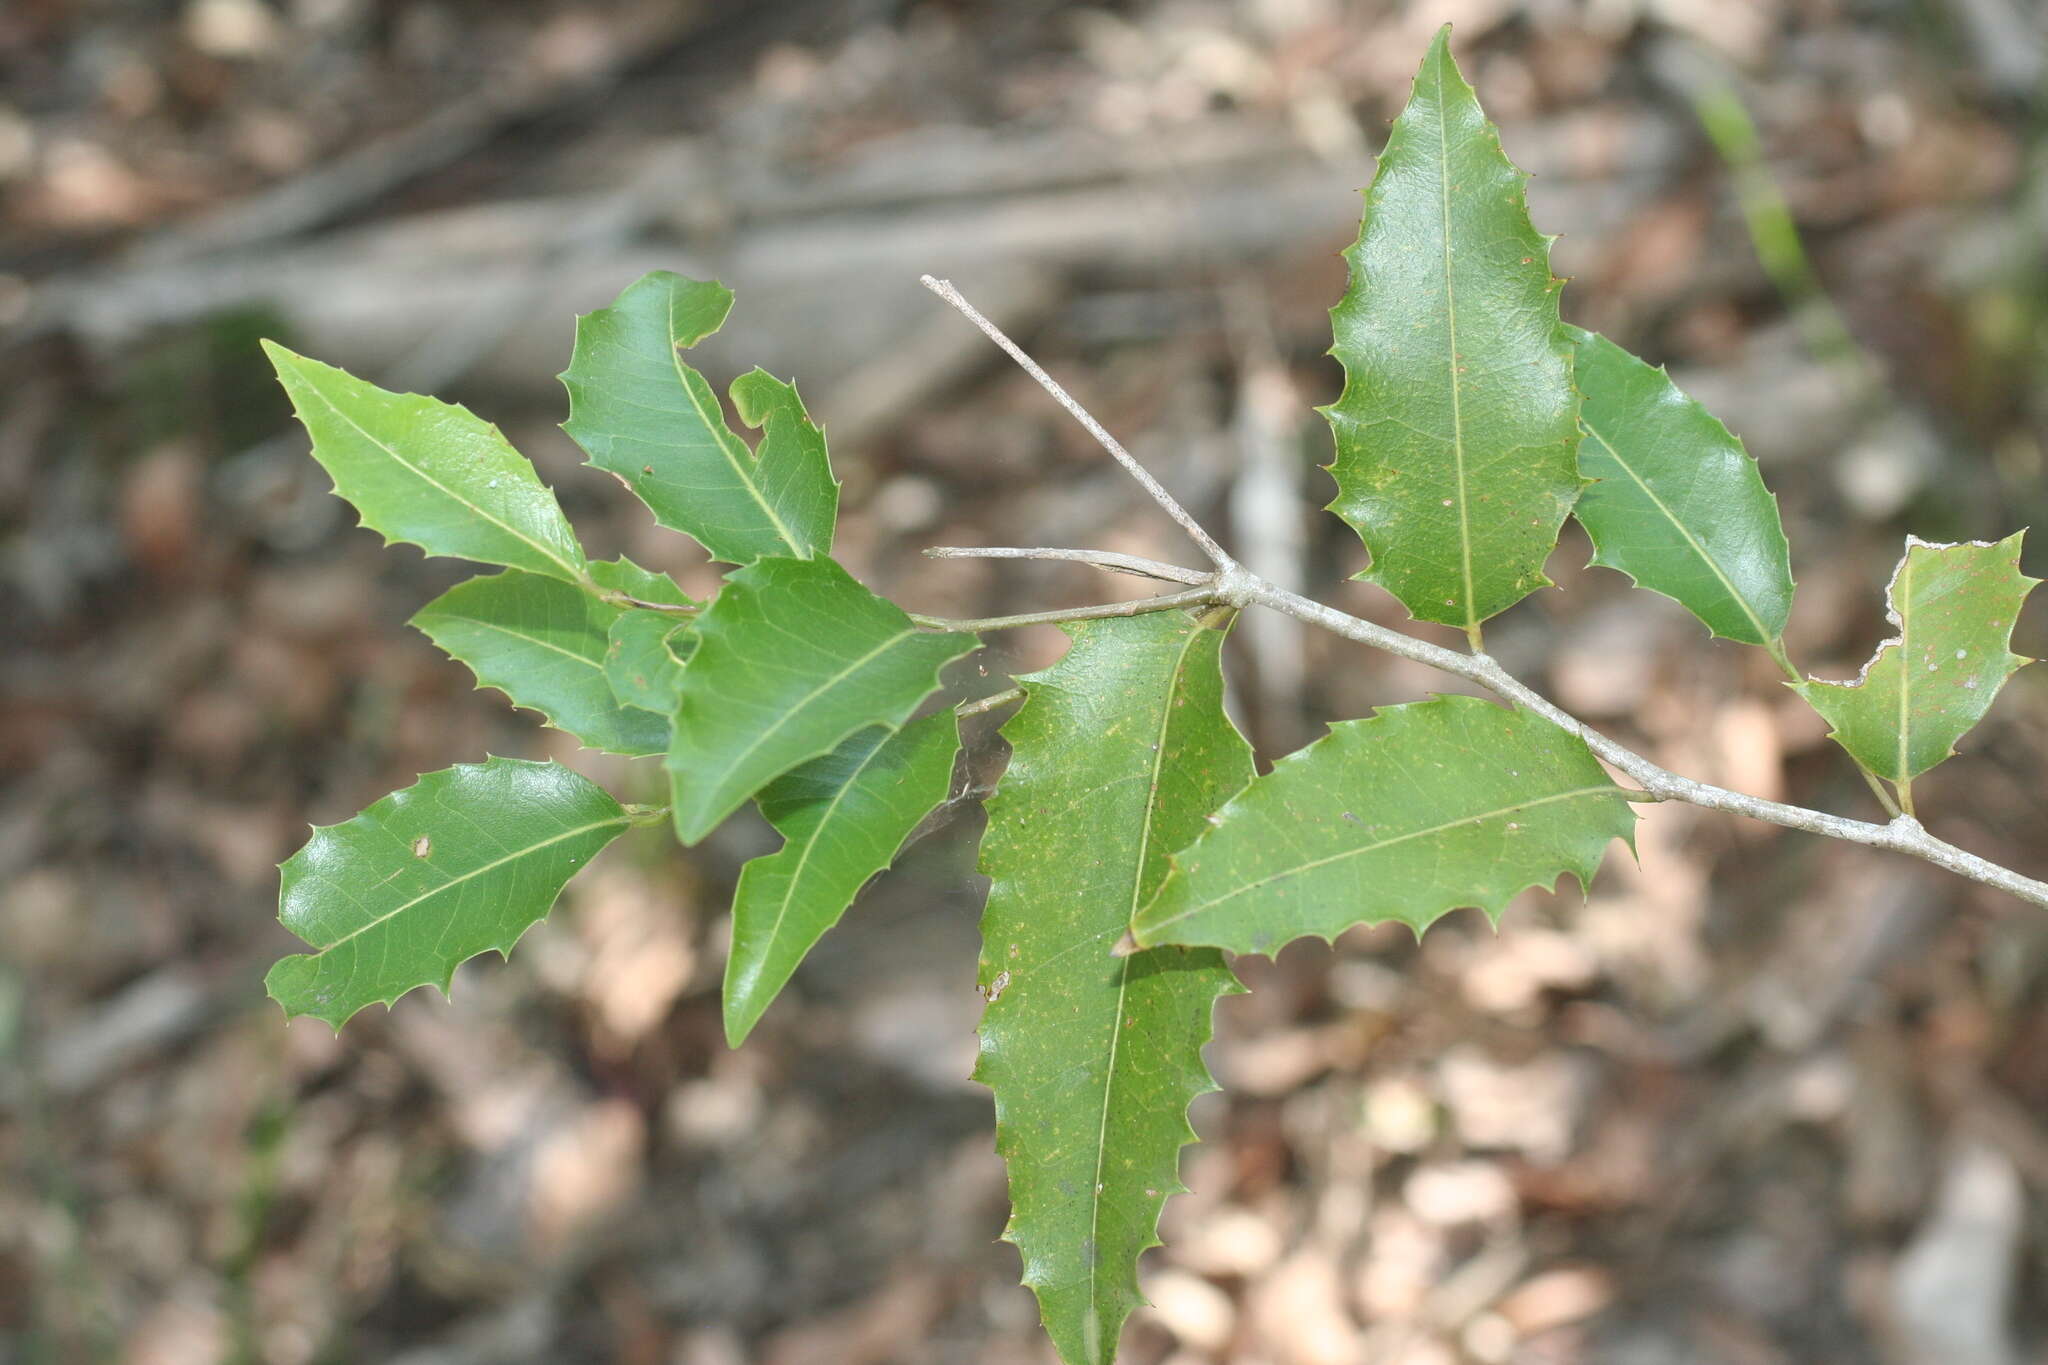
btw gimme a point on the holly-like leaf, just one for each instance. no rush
(429, 473)
(644, 657)
(1953, 607)
(1119, 753)
(464, 860)
(842, 818)
(645, 416)
(1678, 505)
(543, 644)
(1416, 811)
(1458, 421)
(792, 658)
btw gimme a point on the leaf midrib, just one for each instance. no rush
(621, 821)
(313, 387)
(837, 678)
(1123, 978)
(1762, 636)
(724, 439)
(817, 831)
(596, 665)
(1451, 337)
(1151, 930)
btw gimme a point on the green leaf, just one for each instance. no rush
(644, 657)
(1119, 753)
(792, 658)
(543, 644)
(1458, 421)
(1953, 607)
(462, 861)
(624, 576)
(646, 417)
(842, 818)
(1679, 505)
(429, 473)
(1416, 811)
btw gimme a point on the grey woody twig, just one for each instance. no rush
(1193, 597)
(1101, 559)
(1239, 588)
(1234, 586)
(945, 290)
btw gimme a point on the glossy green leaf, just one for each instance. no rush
(1953, 607)
(644, 657)
(1411, 813)
(1120, 752)
(1457, 425)
(463, 861)
(622, 575)
(428, 473)
(1679, 506)
(792, 658)
(645, 416)
(842, 818)
(543, 644)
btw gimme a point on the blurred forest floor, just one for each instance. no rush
(1760, 1099)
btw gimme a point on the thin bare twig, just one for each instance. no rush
(1901, 835)
(945, 290)
(1234, 586)
(1101, 559)
(1193, 597)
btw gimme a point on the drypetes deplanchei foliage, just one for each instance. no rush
(1129, 841)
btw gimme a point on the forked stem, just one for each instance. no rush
(945, 290)
(1232, 585)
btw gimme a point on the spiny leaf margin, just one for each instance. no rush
(1499, 799)
(1964, 661)
(843, 819)
(1458, 522)
(345, 890)
(792, 658)
(1676, 502)
(423, 472)
(543, 644)
(1119, 752)
(652, 421)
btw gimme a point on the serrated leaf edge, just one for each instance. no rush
(1764, 637)
(484, 685)
(1440, 56)
(1581, 871)
(2015, 662)
(575, 572)
(731, 1011)
(744, 461)
(1201, 1080)
(624, 821)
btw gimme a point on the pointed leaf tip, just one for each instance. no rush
(1676, 503)
(843, 818)
(427, 473)
(1456, 429)
(1407, 815)
(643, 415)
(1118, 754)
(462, 862)
(1953, 608)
